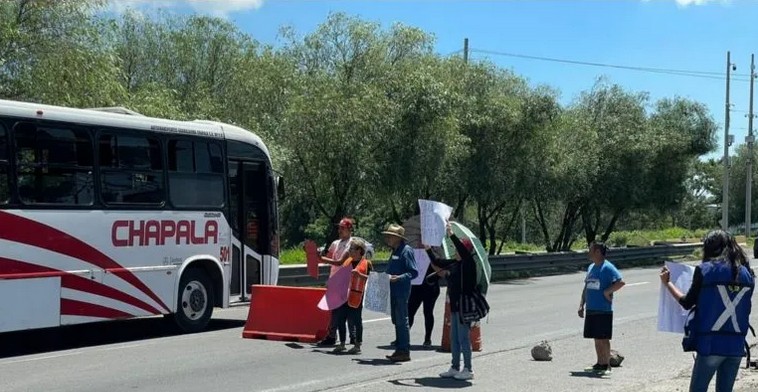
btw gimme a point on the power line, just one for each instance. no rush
(665, 71)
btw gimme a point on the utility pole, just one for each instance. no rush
(727, 143)
(749, 139)
(465, 50)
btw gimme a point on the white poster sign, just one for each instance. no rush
(377, 296)
(671, 315)
(434, 216)
(422, 265)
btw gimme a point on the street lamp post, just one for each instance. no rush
(727, 143)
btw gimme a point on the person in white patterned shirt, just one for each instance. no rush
(335, 256)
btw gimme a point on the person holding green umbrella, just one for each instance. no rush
(461, 274)
(483, 267)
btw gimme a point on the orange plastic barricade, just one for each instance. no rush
(476, 332)
(286, 313)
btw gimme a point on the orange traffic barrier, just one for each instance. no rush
(475, 336)
(286, 313)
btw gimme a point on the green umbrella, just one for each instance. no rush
(483, 268)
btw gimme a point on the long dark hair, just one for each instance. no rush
(718, 244)
(737, 254)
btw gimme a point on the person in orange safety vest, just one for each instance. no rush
(352, 311)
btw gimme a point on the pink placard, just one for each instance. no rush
(337, 289)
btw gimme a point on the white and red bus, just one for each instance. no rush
(107, 214)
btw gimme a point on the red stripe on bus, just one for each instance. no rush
(24, 270)
(29, 275)
(27, 231)
(72, 307)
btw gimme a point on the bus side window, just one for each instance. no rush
(4, 190)
(54, 164)
(131, 170)
(196, 174)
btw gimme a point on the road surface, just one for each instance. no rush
(144, 355)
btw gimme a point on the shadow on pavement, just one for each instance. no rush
(330, 352)
(422, 348)
(375, 362)
(585, 374)
(432, 382)
(413, 348)
(13, 344)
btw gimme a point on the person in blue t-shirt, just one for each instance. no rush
(603, 279)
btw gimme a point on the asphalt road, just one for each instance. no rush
(145, 355)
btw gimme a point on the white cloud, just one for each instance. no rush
(214, 7)
(224, 7)
(685, 3)
(120, 6)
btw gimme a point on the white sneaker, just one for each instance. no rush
(451, 373)
(464, 375)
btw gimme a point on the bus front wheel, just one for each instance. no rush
(195, 301)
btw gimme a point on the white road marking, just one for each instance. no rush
(375, 320)
(41, 358)
(636, 284)
(299, 386)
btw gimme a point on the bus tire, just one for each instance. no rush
(194, 301)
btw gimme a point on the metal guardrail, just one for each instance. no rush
(296, 275)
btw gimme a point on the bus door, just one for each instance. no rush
(250, 221)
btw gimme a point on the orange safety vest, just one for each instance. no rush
(357, 283)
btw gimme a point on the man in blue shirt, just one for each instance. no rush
(402, 270)
(603, 279)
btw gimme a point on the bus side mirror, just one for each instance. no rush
(280, 187)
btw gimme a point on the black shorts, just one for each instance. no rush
(598, 325)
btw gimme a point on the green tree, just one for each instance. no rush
(420, 152)
(182, 67)
(737, 188)
(698, 208)
(568, 166)
(339, 111)
(55, 52)
(622, 164)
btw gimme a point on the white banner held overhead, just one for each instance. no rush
(434, 216)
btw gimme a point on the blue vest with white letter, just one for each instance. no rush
(723, 310)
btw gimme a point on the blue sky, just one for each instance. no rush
(672, 34)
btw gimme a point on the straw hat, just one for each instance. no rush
(395, 230)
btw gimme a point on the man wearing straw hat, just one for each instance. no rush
(401, 270)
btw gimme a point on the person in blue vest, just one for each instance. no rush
(721, 291)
